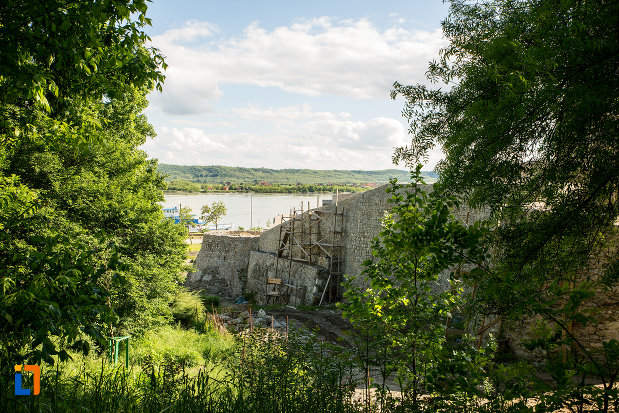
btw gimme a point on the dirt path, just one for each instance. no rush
(329, 324)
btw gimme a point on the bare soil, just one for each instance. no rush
(328, 324)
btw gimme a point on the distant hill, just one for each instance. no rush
(222, 174)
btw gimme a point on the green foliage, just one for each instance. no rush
(530, 130)
(184, 186)
(188, 347)
(188, 309)
(52, 51)
(185, 216)
(256, 373)
(402, 318)
(210, 300)
(214, 212)
(84, 249)
(224, 175)
(50, 274)
(296, 375)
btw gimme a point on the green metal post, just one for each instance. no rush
(127, 353)
(113, 352)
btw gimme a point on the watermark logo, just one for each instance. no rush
(36, 370)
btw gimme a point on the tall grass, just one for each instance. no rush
(189, 347)
(188, 309)
(258, 372)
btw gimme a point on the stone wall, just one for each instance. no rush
(223, 260)
(363, 222)
(302, 282)
(231, 265)
(269, 239)
(363, 216)
(603, 306)
(221, 264)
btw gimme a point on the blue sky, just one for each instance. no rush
(288, 84)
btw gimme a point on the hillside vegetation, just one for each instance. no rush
(215, 174)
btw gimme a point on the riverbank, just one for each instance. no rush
(190, 187)
(245, 210)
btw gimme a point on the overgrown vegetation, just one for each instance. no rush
(184, 371)
(188, 347)
(187, 309)
(403, 318)
(529, 134)
(418, 322)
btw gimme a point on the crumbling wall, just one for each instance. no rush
(363, 216)
(603, 306)
(303, 283)
(363, 223)
(269, 239)
(221, 264)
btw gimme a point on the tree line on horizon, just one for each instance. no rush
(263, 188)
(229, 175)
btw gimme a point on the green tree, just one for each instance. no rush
(214, 212)
(528, 121)
(185, 216)
(533, 117)
(415, 287)
(84, 249)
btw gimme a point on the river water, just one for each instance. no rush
(246, 209)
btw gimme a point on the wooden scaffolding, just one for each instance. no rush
(306, 238)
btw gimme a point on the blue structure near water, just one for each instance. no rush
(173, 214)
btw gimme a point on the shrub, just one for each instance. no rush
(187, 309)
(210, 300)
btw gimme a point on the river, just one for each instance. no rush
(245, 209)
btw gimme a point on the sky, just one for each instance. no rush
(288, 84)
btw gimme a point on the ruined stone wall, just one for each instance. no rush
(232, 265)
(603, 306)
(221, 264)
(302, 283)
(605, 303)
(363, 222)
(269, 239)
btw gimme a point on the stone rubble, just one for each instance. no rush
(236, 321)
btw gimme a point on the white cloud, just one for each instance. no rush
(192, 30)
(350, 58)
(285, 137)
(286, 113)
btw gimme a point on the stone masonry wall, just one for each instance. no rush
(604, 306)
(232, 265)
(303, 283)
(223, 260)
(221, 264)
(363, 222)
